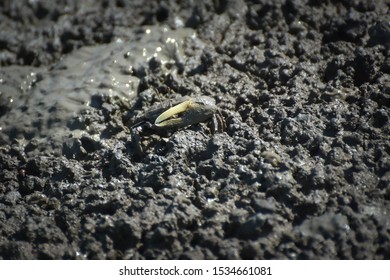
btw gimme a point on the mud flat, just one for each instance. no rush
(302, 170)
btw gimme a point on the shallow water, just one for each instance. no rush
(41, 103)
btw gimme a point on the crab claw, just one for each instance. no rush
(187, 113)
(170, 117)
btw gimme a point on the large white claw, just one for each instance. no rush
(167, 118)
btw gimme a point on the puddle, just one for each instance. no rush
(40, 103)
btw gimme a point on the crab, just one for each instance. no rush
(181, 113)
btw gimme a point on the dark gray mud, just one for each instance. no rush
(302, 170)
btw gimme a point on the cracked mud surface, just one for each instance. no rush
(302, 170)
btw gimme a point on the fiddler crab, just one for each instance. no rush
(181, 113)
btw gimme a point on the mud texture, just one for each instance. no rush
(302, 170)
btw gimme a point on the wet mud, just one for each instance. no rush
(300, 171)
